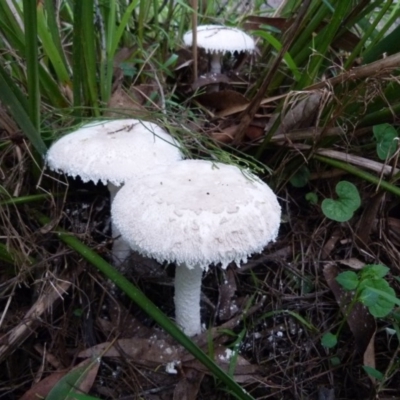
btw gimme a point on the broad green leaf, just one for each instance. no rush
(329, 340)
(348, 201)
(301, 177)
(374, 271)
(386, 138)
(373, 372)
(378, 305)
(348, 280)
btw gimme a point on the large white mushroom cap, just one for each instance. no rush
(197, 213)
(113, 151)
(219, 38)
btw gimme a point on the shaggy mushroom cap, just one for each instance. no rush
(220, 39)
(112, 151)
(197, 213)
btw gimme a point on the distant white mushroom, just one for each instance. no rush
(112, 152)
(196, 213)
(218, 40)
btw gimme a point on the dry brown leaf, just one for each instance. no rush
(353, 263)
(90, 375)
(125, 103)
(188, 387)
(330, 244)
(150, 352)
(243, 371)
(42, 388)
(300, 113)
(209, 79)
(369, 357)
(362, 324)
(254, 132)
(222, 100)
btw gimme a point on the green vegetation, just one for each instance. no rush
(313, 109)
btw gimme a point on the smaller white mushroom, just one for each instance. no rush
(218, 40)
(195, 214)
(112, 152)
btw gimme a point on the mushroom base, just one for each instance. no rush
(187, 298)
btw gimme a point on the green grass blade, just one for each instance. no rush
(360, 173)
(11, 23)
(276, 44)
(77, 58)
(19, 113)
(147, 306)
(366, 37)
(389, 45)
(32, 65)
(54, 31)
(50, 47)
(89, 53)
(108, 61)
(322, 42)
(122, 26)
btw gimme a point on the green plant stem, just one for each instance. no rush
(25, 199)
(360, 173)
(147, 306)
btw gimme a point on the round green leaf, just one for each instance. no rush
(343, 207)
(301, 177)
(348, 280)
(312, 197)
(386, 140)
(329, 340)
(378, 305)
(374, 271)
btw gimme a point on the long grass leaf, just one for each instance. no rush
(277, 46)
(122, 26)
(322, 42)
(77, 58)
(32, 65)
(50, 47)
(142, 301)
(389, 187)
(89, 53)
(108, 61)
(51, 18)
(19, 113)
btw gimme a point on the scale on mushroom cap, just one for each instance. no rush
(196, 213)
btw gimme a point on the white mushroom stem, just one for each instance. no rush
(120, 248)
(216, 62)
(187, 298)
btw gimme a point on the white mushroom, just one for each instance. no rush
(111, 152)
(196, 213)
(218, 40)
